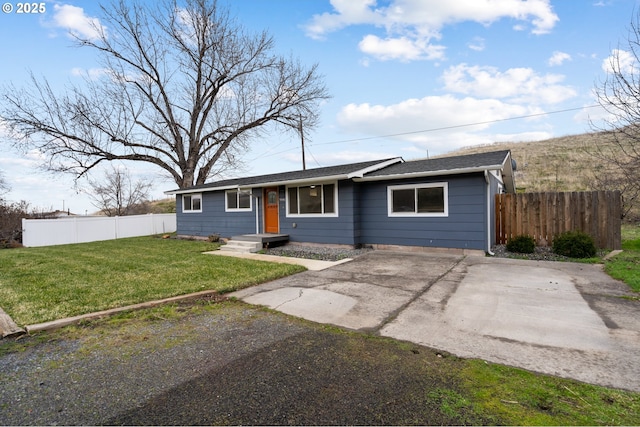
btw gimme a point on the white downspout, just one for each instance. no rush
(486, 178)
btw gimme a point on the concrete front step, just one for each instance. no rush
(241, 246)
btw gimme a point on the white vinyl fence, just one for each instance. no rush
(80, 229)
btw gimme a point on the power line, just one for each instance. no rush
(437, 129)
(456, 126)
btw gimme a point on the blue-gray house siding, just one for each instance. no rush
(213, 219)
(331, 229)
(363, 214)
(362, 219)
(464, 227)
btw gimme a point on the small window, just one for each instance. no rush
(238, 200)
(192, 203)
(418, 200)
(319, 199)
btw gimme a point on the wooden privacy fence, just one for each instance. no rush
(545, 215)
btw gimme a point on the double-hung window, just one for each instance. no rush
(192, 203)
(313, 200)
(418, 200)
(237, 201)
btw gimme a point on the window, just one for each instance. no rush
(237, 200)
(192, 203)
(418, 200)
(320, 199)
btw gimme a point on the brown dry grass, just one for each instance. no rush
(559, 164)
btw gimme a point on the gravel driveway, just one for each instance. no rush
(225, 364)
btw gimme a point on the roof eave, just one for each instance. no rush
(508, 175)
(458, 171)
(362, 172)
(199, 190)
(261, 184)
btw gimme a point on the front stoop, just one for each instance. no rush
(241, 246)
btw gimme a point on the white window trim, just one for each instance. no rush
(314, 215)
(193, 196)
(445, 194)
(226, 202)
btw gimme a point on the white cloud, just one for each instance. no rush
(516, 84)
(338, 157)
(91, 73)
(73, 19)
(558, 58)
(402, 48)
(411, 25)
(477, 44)
(620, 60)
(429, 113)
(348, 12)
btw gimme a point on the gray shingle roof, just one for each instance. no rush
(444, 165)
(299, 175)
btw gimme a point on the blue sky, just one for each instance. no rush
(410, 78)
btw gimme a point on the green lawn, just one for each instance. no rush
(48, 283)
(626, 266)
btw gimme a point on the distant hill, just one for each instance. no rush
(557, 164)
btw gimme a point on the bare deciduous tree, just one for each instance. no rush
(117, 194)
(619, 95)
(182, 87)
(4, 185)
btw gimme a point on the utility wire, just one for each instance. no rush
(456, 126)
(437, 129)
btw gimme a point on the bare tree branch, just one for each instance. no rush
(619, 132)
(117, 194)
(184, 87)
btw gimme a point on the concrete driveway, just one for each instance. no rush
(563, 319)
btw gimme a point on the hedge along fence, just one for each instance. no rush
(545, 215)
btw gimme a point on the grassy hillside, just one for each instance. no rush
(557, 164)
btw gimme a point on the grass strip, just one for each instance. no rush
(513, 396)
(626, 265)
(53, 282)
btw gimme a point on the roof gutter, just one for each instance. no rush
(483, 169)
(259, 185)
(200, 190)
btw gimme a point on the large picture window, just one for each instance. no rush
(319, 199)
(191, 203)
(418, 200)
(237, 200)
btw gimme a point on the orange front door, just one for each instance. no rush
(271, 221)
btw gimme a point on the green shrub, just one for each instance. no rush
(574, 244)
(523, 244)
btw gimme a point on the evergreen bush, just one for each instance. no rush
(523, 244)
(574, 244)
